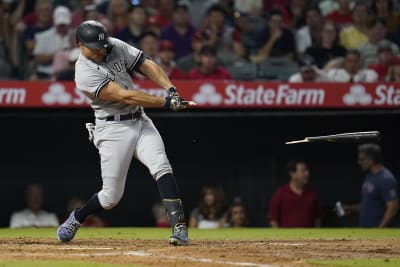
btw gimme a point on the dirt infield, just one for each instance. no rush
(265, 253)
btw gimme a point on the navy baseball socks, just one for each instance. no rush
(170, 199)
(68, 229)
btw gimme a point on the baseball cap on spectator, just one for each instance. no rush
(154, 20)
(208, 50)
(384, 45)
(61, 16)
(306, 63)
(166, 45)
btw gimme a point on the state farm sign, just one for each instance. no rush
(281, 95)
(220, 94)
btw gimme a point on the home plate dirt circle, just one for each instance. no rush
(205, 253)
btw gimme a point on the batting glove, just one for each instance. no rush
(174, 101)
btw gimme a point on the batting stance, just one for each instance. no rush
(122, 128)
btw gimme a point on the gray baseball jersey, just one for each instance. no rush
(91, 77)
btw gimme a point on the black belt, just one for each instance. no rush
(123, 117)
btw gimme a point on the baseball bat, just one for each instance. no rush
(342, 137)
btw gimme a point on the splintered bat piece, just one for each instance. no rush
(342, 137)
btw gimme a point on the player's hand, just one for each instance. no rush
(175, 102)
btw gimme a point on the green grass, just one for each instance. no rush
(215, 234)
(358, 263)
(36, 263)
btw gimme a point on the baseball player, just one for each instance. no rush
(122, 129)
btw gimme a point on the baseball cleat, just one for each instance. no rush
(179, 236)
(68, 229)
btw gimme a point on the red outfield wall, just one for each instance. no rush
(221, 94)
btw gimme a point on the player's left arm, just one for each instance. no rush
(388, 190)
(155, 73)
(391, 211)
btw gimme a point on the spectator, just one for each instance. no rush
(191, 61)
(295, 204)
(355, 35)
(225, 38)
(329, 47)
(385, 54)
(165, 12)
(198, 10)
(296, 11)
(34, 215)
(310, 34)
(77, 16)
(394, 70)
(166, 60)
(342, 16)
(376, 35)
(117, 13)
(379, 196)
(43, 11)
(308, 72)
(208, 67)
(88, 11)
(153, 24)
(92, 220)
(351, 70)
(149, 42)
(274, 40)
(384, 9)
(237, 216)
(160, 215)
(136, 26)
(211, 210)
(180, 31)
(47, 43)
(68, 73)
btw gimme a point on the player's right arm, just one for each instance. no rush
(114, 92)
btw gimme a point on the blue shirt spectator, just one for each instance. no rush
(180, 31)
(378, 189)
(379, 196)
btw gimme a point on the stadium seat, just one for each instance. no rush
(276, 69)
(243, 70)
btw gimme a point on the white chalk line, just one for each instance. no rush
(181, 258)
(83, 248)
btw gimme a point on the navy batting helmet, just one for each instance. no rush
(92, 34)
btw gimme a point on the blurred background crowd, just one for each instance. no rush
(286, 40)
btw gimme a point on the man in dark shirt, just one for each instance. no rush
(274, 40)
(180, 31)
(295, 204)
(379, 196)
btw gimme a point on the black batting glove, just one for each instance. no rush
(173, 101)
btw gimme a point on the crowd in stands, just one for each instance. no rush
(314, 40)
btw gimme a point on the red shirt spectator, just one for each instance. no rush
(208, 68)
(343, 16)
(218, 74)
(293, 210)
(295, 204)
(341, 20)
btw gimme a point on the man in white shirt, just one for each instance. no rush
(47, 43)
(351, 70)
(33, 215)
